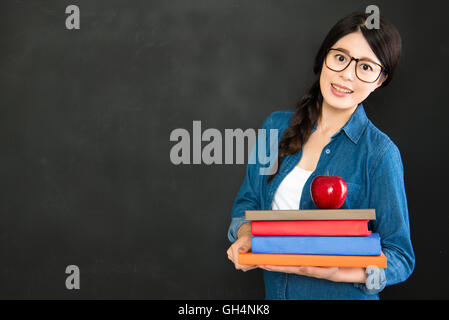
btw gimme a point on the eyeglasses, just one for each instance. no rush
(366, 70)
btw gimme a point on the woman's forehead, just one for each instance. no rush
(356, 45)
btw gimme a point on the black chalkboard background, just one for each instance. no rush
(85, 120)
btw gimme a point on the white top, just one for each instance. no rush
(288, 194)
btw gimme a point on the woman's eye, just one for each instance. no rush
(340, 58)
(366, 67)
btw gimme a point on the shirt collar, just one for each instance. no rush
(355, 125)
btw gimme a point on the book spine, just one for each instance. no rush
(357, 246)
(311, 228)
(314, 214)
(313, 260)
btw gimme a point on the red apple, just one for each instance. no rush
(328, 192)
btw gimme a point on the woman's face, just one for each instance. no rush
(344, 90)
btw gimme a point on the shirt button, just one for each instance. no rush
(328, 151)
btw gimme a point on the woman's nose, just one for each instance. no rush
(349, 72)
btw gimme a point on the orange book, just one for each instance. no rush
(313, 260)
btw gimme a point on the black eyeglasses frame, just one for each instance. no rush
(382, 69)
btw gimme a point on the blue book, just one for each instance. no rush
(348, 246)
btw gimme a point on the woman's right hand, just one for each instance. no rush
(241, 245)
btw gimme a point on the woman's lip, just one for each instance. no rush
(339, 94)
(343, 87)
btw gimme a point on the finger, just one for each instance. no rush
(248, 268)
(240, 267)
(235, 258)
(235, 254)
(231, 256)
(319, 272)
(310, 271)
(244, 267)
(286, 269)
(243, 249)
(229, 253)
(264, 267)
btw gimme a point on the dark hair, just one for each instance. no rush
(386, 45)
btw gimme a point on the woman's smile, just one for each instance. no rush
(340, 91)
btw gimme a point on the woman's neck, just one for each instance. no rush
(333, 119)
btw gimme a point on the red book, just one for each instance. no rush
(357, 228)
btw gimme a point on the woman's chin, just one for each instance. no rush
(342, 103)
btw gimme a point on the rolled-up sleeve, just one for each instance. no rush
(249, 196)
(388, 198)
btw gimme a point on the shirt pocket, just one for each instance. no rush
(353, 196)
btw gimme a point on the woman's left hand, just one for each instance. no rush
(328, 273)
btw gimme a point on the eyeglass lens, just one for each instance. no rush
(366, 70)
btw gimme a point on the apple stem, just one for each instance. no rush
(328, 173)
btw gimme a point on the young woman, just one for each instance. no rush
(329, 131)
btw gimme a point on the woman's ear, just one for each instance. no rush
(381, 81)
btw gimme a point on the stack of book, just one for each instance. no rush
(322, 238)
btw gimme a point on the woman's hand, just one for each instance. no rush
(328, 273)
(354, 275)
(241, 245)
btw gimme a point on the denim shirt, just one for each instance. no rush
(371, 164)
